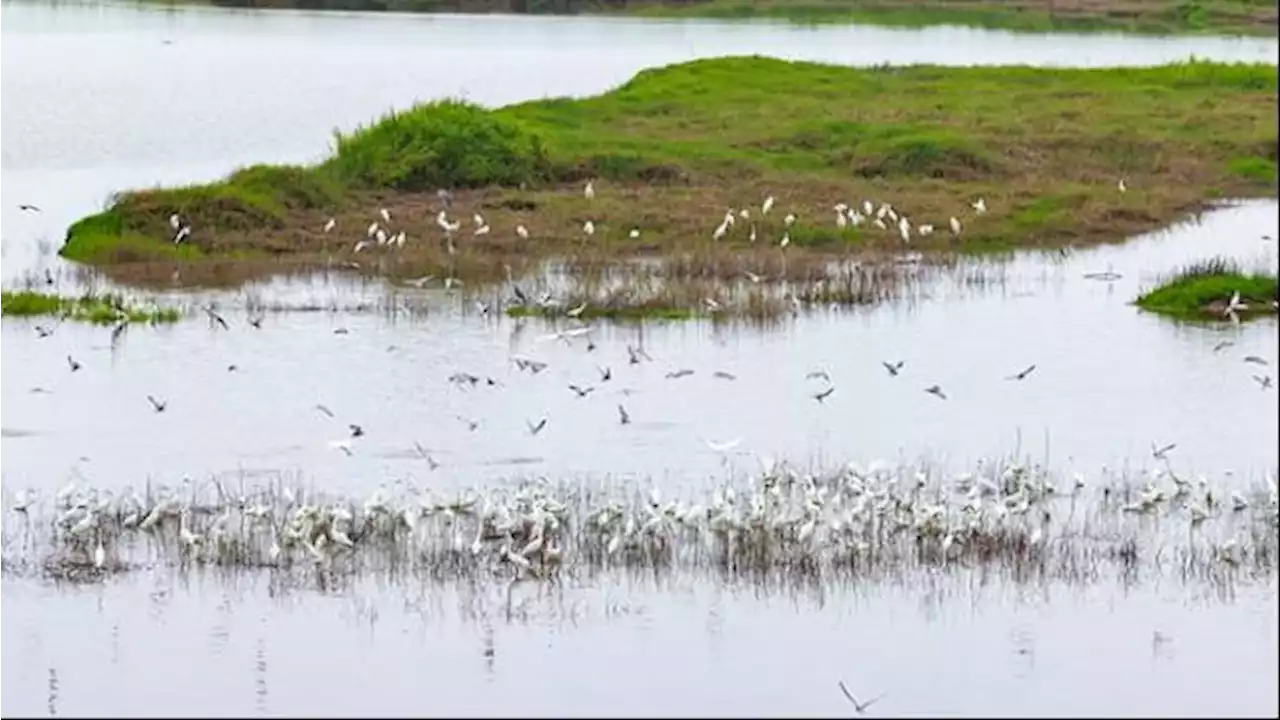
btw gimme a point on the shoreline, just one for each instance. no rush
(1238, 18)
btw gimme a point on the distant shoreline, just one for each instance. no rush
(1149, 17)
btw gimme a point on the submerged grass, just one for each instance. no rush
(1205, 289)
(98, 309)
(675, 148)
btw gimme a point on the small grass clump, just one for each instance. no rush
(97, 309)
(1204, 289)
(674, 148)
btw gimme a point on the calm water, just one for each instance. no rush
(99, 101)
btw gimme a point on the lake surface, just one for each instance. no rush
(104, 97)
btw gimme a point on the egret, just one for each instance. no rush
(330, 225)
(386, 215)
(767, 206)
(522, 232)
(590, 190)
(635, 233)
(980, 205)
(789, 220)
(955, 226)
(588, 227)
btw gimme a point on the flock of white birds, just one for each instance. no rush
(874, 517)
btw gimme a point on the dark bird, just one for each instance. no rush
(1160, 453)
(356, 430)
(824, 394)
(606, 374)
(724, 375)
(859, 707)
(936, 390)
(582, 392)
(157, 405)
(43, 331)
(893, 368)
(29, 208)
(216, 319)
(534, 429)
(679, 374)
(623, 417)
(1022, 375)
(71, 362)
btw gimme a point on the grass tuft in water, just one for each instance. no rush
(103, 309)
(1204, 290)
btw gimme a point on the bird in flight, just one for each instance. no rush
(1022, 375)
(859, 707)
(936, 390)
(893, 368)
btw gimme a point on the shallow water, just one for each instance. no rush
(212, 646)
(1110, 382)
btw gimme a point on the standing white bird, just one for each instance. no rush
(386, 215)
(980, 205)
(589, 228)
(1121, 186)
(721, 229)
(478, 219)
(635, 233)
(522, 232)
(590, 190)
(955, 226)
(373, 228)
(175, 221)
(329, 226)
(767, 206)
(789, 220)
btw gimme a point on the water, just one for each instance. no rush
(100, 102)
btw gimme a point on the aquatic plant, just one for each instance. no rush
(870, 521)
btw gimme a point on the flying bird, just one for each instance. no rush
(535, 428)
(821, 396)
(936, 390)
(1162, 452)
(859, 707)
(1022, 375)
(157, 405)
(893, 368)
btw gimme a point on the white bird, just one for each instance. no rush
(722, 447)
(635, 233)
(183, 232)
(721, 229)
(786, 240)
(789, 220)
(767, 206)
(482, 230)
(478, 219)
(329, 226)
(589, 227)
(373, 228)
(980, 205)
(386, 215)
(925, 230)
(590, 190)
(381, 236)
(99, 555)
(175, 221)
(522, 232)
(955, 226)
(1121, 186)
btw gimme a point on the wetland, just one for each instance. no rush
(942, 476)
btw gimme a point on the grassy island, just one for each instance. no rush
(1057, 157)
(1165, 17)
(1205, 290)
(105, 309)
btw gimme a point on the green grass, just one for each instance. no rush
(97, 309)
(1198, 290)
(674, 146)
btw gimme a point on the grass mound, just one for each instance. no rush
(1203, 289)
(676, 146)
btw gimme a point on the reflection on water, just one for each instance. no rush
(636, 647)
